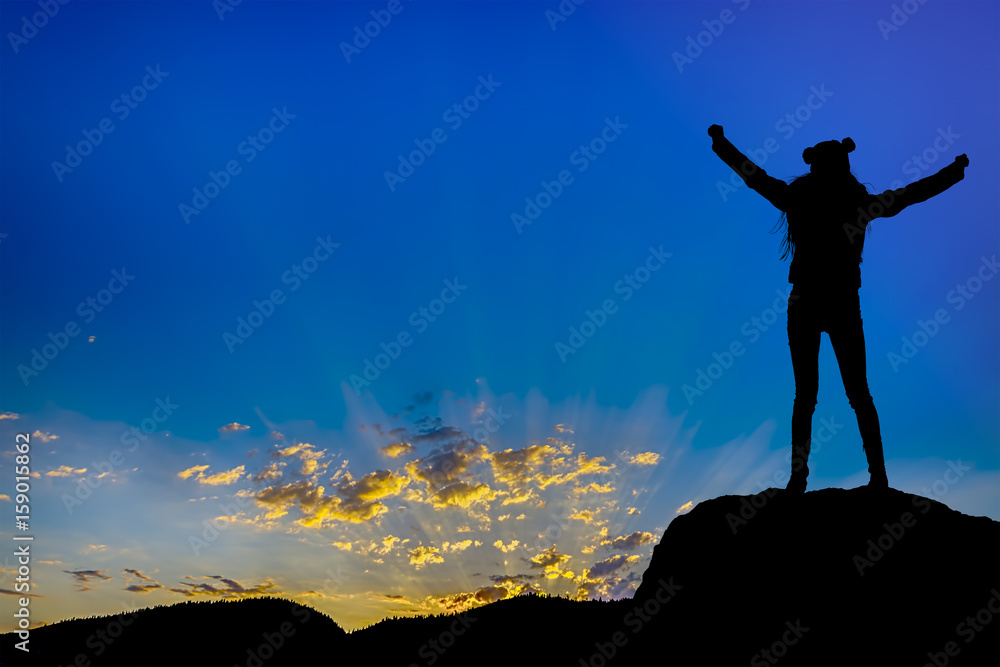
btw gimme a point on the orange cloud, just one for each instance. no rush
(387, 545)
(456, 546)
(217, 479)
(65, 471)
(589, 517)
(303, 450)
(231, 588)
(593, 487)
(184, 474)
(84, 577)
(374, 485)
(356, 501)
(146, 585)
(645, 459)
(270, 472)
(397, 449)
(461, 494)
(420, 556)
(630, 542)
(515, 467)
(604, 567)
(306, 453)
(551, 563)
(541, 466)
(447, 465)
(459, 602)
(507, 548)
(230, 428)
(222, 478)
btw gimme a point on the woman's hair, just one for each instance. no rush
(801, 186)
(787, 241)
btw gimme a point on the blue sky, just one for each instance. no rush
(600, 120)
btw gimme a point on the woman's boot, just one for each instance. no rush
(876, 467)
(800, 468)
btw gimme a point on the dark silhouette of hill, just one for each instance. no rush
(830, 577)
(877, 578)
(525, 630)
(272, 630)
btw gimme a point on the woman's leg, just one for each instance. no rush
(848, 339)
(803, 343)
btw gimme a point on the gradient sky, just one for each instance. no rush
(480, 462)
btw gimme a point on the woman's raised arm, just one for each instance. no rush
(891, 202)
(772, 189)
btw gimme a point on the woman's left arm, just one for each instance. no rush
(894, 201)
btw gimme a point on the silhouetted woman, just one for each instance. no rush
(827, 212)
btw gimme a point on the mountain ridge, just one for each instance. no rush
(829, 577)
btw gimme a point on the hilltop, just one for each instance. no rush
(832, 577)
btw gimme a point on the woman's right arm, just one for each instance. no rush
(772, 189)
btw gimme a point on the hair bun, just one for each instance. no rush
(848, 143)
(807, 155)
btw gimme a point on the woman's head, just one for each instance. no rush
(829, 158)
